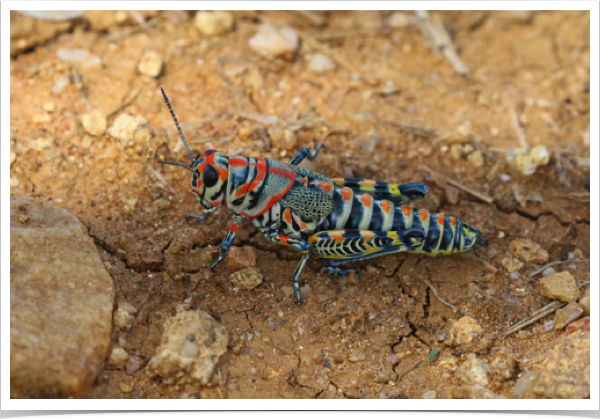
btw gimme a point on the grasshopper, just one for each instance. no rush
(337, 219)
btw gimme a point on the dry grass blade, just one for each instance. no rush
(540, 314)
(515, 121)
(559, 262)
(485, 198)
(409, 369)
(160, 179)
(411, 129)
(489, 268)
(430, 285)
(127, 100)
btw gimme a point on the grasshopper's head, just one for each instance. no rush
(209, 171)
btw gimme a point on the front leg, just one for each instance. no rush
(228, 240)
(304, 153)
(204, 217)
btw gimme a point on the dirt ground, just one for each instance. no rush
(407, 117)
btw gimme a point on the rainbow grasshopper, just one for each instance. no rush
(337, 219)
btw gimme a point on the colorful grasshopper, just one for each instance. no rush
(338, 219)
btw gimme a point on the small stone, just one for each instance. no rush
(528, 251)
(61, 302)
(561, 286)
(430, 394)
(189, 349)
(449, 365)
(134, 364)
(392, 359)
(117, 359)
(122, 318)
(13, 157)
(540, 155)
(322, 298)
(247, 279)
(162, 204)
(567, 314)
(548, 272)
(306, 325)
(306, 292)
(471, 371)
(456, 151)
(525, 165)
(467, 334)
(356, 355)
(215, 22)
(476, 158)
(125, 388)
(49, 107)
(150, 64)
(210, 342)
(503, 364)
(41, 118)
(288, 290)
(244, 133)
(239, 258)
(523, 334)
(358, 117)
(126, 128)
(585, 305)
(271, 41)
(400, 20)
(59, 84)
(512, 264)
(94, 122)
(321, 63)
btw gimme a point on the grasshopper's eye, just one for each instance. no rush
(211, 176)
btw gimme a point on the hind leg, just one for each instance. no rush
(331, 267)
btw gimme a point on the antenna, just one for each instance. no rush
(178, 129)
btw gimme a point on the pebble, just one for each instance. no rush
(392, 359)
(213, 23)
(512, 264)
(567, 314)
(125, 388)
(239, 258)
(528, 251)
(400, 20)
(476, 158)
(123, 315)
(466, 334)
(117, 359)
(472, 372)
(356, 355)
(503, 364)
(585, 305)
(321, 63)
(150, 64)
(129, 128)
(449, 365)
(49, 107)
(430, 394)
(548, 272)
(287, 290)
(61, 302)
(561, 286)
(247, 278)
(59, 84)
(581, 325)
(540, 155)
(565, 373)
(94, 122)
(175, 361)
(272, 42)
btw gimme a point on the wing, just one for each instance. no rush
(393, 192)
(308, 203)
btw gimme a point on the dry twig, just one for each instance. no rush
(409, 369)
(489, 268)
(485, 198)
(440, 41)
(515, 120)
(558, 262)
(540, 314)
(430, 285)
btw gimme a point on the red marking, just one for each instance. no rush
(367, 234)
(234, 228)
(287, 215)
(238, 162)
(423, 215)
(303, 226)
(283, 240)
(366, 200)
(216, 203)
(313, 239)
(406, 211)
(261, 167)
(336, 236)
(338, 180)
(346, 194)
(303, 180)
(326, 186)
(440, 219)
(368, 182)
(196, 190)
(385, 206)
(287, 174)
(452, 221)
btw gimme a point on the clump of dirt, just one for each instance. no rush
(391, 109)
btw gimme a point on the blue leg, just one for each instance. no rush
(296, 276)
(228, 240)
(331, 266)
(204, 217)
(304, 153)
